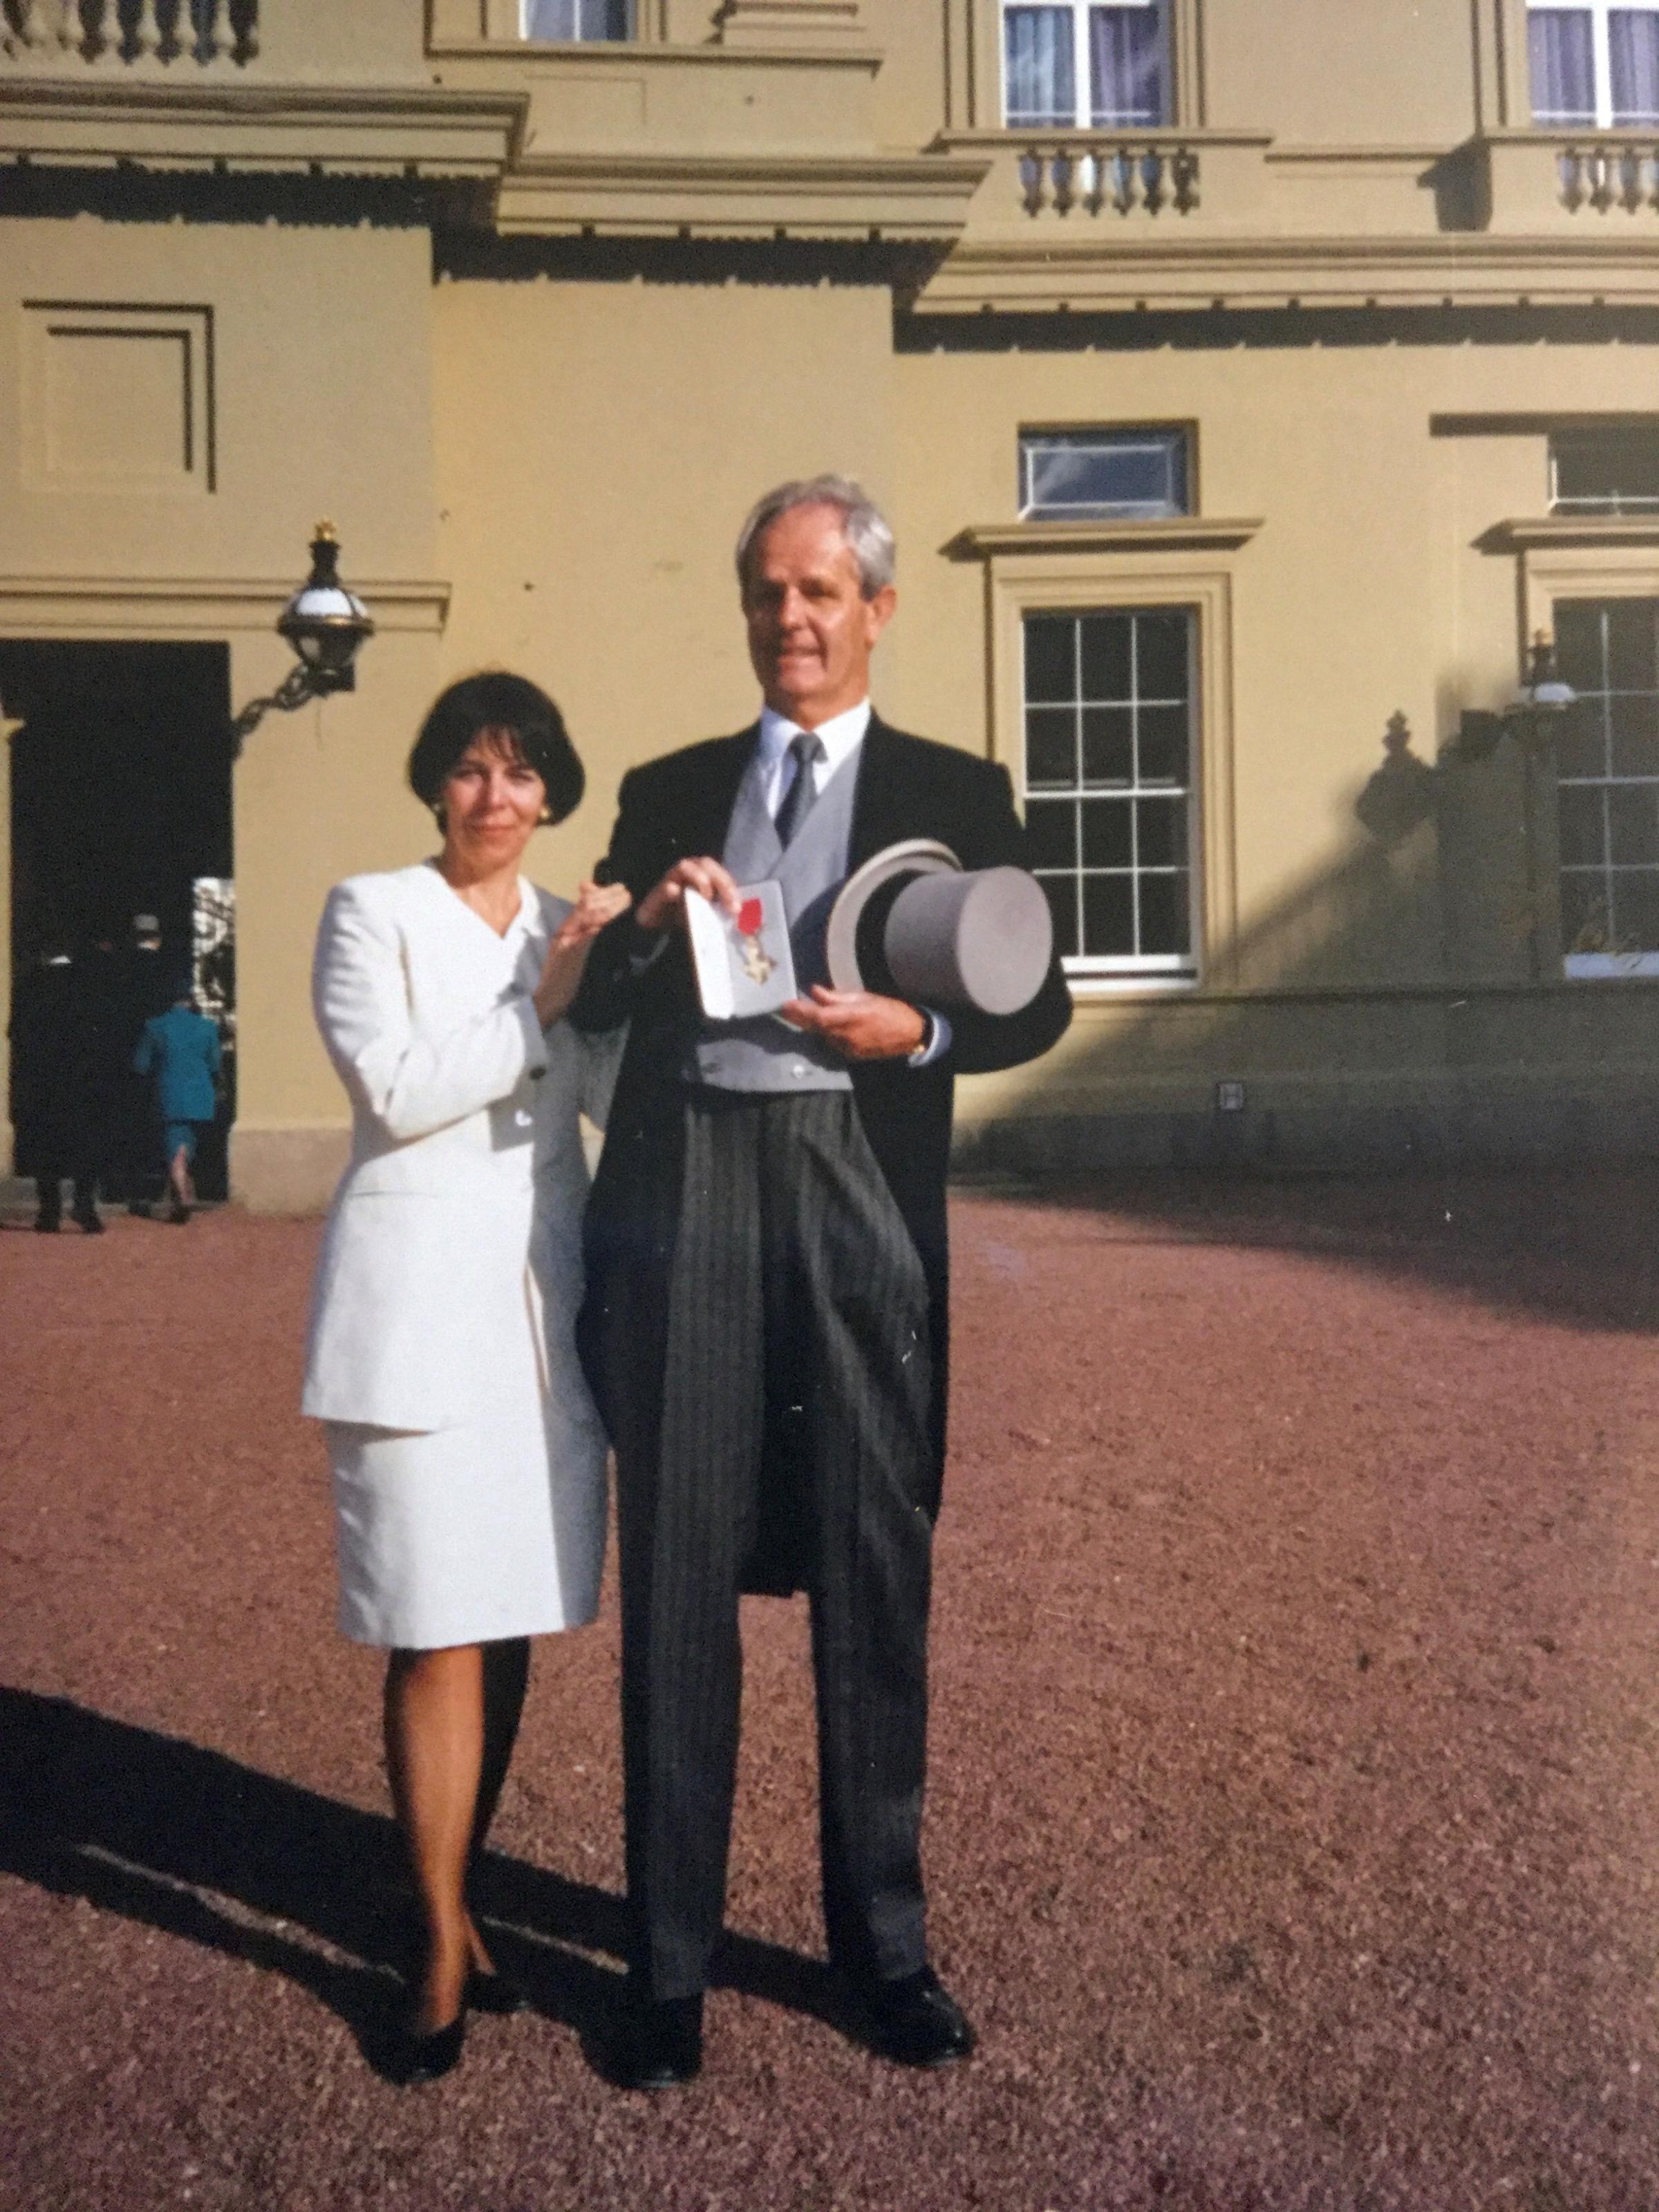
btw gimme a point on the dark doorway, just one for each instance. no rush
(120, 804)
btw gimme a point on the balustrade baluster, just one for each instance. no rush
(1185, 172)
(147, 32)
(1064, 171)
(69, 25)
(1153, 175)
(219, 31)
(31, 25)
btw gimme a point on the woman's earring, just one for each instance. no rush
(438, 814)
(545, 816)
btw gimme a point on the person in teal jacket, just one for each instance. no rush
(178, 1051)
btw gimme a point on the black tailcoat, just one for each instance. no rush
(677, 808)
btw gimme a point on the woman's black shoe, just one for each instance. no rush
(496, 1993)
(419, 2058)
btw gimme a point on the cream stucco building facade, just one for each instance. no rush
(1247, 385)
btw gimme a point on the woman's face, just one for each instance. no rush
(492, 799)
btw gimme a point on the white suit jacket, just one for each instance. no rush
(463, 1199)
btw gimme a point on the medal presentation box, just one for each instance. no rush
(743, 962)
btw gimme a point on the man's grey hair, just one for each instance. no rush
(868, 533)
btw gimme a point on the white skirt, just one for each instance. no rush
(464, 1535)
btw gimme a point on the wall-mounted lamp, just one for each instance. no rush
(326, 624)
(1531, 718)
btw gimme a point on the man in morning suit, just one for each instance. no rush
(765, 1323)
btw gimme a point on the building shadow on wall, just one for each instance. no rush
(200, 1846)
(1379, 1121)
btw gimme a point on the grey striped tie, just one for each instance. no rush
(808, 749)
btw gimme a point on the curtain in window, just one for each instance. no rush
(1041, 82)
(1633, 38)
(1126, 66)
(576, 19)
(1562, 53)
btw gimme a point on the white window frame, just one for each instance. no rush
(1598, 12)
(1168, 435)
(1082, 75)
(1135, 967)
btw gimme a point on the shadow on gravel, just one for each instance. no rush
(194, 1844)
(1574, 1246)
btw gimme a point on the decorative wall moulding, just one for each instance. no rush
(779, 23)
(1162, 534)
(1183, 272)
(117, 398)
(1550, 532)
(194, 606)
(419, 130)
(760, 197)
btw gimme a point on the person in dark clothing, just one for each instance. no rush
(144, 991)
(51, 1074)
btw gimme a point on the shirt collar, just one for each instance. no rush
(841, 735)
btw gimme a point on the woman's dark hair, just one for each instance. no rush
(498, 700)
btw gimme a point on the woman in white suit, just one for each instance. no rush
(469, 1462)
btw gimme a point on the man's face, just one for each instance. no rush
(811, 630)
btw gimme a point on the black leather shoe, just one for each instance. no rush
(495, 1992)
(915, 2021)
(658, 2043)
(419, 2058)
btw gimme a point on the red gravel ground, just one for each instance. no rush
(1294, 1825)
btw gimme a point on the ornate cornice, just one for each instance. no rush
(356, 129)
(737, 195)
(1552, 532)
(193, 606)
(1185, 533)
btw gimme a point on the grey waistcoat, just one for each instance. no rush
(765, 1054)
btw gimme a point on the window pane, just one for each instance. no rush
(1585, 922)
(1062, 894)
(1108, 914)
(1633, 38)
(1161, 657)
(1563, 55)
(1051, 833)
(1050, 748)
(1635, 911)
(1126, 66)
(1040, 84)
(1164, 925)
(1633, 823)
(1050, 657)
(1108, 752)
(1581, 826)
(1161, 832)
(1581, 744)
(1162, 744)
(1630, 628)
(1107, 656)
(1612, 472)
(1635, 728)
(1107, 843)
(577, 19)
(1138, 474)
(1578, 648)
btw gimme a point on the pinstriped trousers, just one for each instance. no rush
(794, 1389)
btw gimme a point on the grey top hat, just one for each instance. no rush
(913, 923)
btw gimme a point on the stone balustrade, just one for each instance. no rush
(1601, 178)
(1114, 176)
(67, 36)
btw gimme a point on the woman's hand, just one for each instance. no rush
(666, 902)
(597, 906)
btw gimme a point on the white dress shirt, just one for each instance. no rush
(840, 738)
